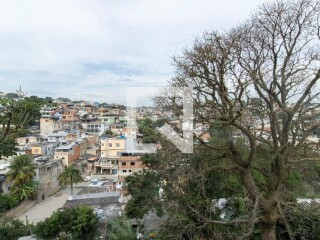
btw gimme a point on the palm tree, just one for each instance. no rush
(70, 175)
(120, 228)
(25, 190)
(22, 170)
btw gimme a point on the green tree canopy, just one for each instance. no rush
(70, 175)
(78, 223)
(15, 116)
(11, 229)
(147, 127)
(21, 170)
(120, 228)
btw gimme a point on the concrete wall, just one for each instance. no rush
(49, 125)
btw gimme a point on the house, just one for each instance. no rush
(117, 127)
(94, 127)
(112, 147)
(70, 116)
(68, 153)
(83, 144)
(49, 125)
(49, 112)
(25, 141)
(127, 165)
(108, 118)
(129, 132)
(107, 166)
(23, 151)
(38, 149)
(92, 140)
(59, 137)
(24, 144)
(47, 172)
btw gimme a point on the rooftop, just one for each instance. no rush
(65, 147)
(96, 195)
(58, 134)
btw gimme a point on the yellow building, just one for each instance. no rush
(38, 149)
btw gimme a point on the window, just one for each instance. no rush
(130, 171)
(110, 144)
(48, 168)
(117, 144)
(123, 163)
(133, 163)
(124, 171)
(102, 144)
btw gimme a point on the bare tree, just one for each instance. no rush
(259, 81)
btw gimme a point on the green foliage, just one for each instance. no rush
(8, 147)
(13, 199)
(8, 201)
(22, 112)
(147, 128)
(21, 173)
(295, 185)
(144, 187)
(191, 184)
(120, 228)
(63, 99)
(188, 182)
(11, 229)
(15, 116)
(21, 170)
(78, 223)
(4, 203)
(70, 175)
(25, 190)
(149, 160)
(48, 100)
(12, 95)
(109, 133)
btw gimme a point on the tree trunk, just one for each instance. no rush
(71, 186)
(268, 231)
(269, 220)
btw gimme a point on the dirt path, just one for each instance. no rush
(45, 208)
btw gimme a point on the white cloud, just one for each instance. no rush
(60, 46)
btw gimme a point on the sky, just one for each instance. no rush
(93, 50)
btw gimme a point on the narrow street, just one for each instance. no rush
(45, 208)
